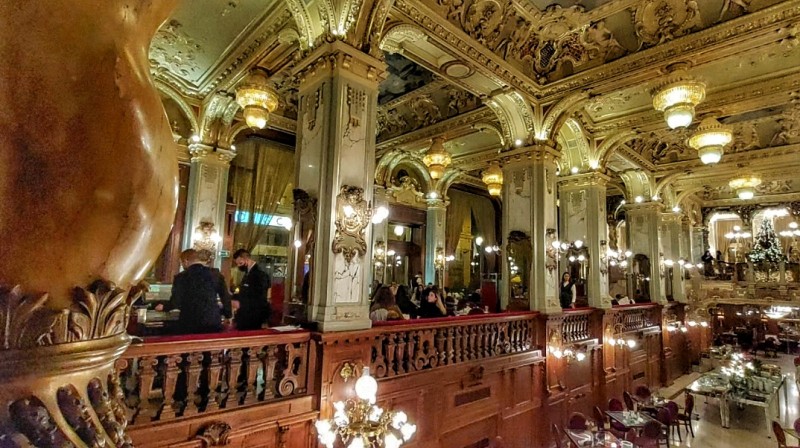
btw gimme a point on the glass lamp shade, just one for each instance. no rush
(745, 193)
(745, 187)
(437, 158)
(709, 140)
(493, 178)
(366, 386)
(678, 98)
(257, 98)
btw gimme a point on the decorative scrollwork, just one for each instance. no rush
(214, 434)
(658, 21)
(352, 218)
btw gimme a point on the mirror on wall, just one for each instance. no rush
(301, 296)
(641, 278)
(519, 267)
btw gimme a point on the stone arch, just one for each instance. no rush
(187, 110)
(558, 114)
(388, 165)
(395, 37)
(666, 182)
(575, 150)
(516, 117)
(637, 183)
(309, 26)
(450, 177)
(605, 150)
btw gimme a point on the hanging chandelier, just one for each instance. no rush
(677, 96)
(257, 99)
(363, 424)
(709, 140)
(493, 178)
(437, 158)
(745, 187)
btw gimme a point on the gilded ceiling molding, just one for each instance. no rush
(394, 38)
(786, 153)
(170, 92)
(574, 146)
(638, 183)
(450, 126)
(390, 162)
(450, 177)
(384, 167)
(212, 127)
(308, 28)
(610, 144)
(658, 21)
(668, 181)
(491, 127)
(560, 112)
(515, 116)
(368, 30)
(427, 89)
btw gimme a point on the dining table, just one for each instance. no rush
(631, 419)
(586, 438)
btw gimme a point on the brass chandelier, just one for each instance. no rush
(257, 98)
(437, 158)
(493, 178)
(745, 187)
(710, 139)
(677, 96)
(363, 424)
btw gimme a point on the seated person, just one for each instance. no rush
(194, 293)
(403, 301)
(431, 304)
(384, 306)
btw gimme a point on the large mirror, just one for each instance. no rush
(302, 257)
(519, 268)
(641, 278)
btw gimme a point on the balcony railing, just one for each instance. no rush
(636, 317)
(166, 378)
(410, 346)
(576, 326)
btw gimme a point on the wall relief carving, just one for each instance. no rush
(551, 46)
(174, 51)
(214, 434)
(659, 21)
(352, 218)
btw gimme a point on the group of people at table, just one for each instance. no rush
(394, 302)
(644, 420)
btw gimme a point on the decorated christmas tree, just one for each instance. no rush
(766, 247)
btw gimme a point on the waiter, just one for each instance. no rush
(194, 293)
(254, 308)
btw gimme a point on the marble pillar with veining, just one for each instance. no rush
(643, 226)
(336, 152)
(434, 237)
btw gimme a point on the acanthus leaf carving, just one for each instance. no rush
(214, 434)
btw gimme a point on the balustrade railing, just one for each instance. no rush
(637, 317)
(167, 378)
(420, 345)
(575, 326)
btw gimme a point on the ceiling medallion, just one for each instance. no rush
(745, 187)
(709, 140)
(493, 178)
(437, 158)
(678, 95)
(257, 98)
(456, 70)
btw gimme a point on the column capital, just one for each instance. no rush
(655, 207)
(435, 203)
(541, 152)
(338, 56)
(671, 217)
(202, 152)
(583, 180)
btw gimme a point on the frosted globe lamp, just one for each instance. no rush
(399, 230)
(677, 96)
(710, 139)
(745, 187)
(366, 386)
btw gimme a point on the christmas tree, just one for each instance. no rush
(766, 248)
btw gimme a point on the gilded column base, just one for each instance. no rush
(59, 387)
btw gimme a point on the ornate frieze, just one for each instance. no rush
(352, 218)
(658, 21)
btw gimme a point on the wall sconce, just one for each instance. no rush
(616, 338)
(206, 237)
(556, 348)
(673, 324)
(364, 424)
(379, 254)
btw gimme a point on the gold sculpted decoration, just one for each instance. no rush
(658, 21)
(352, 218)
(214, 434)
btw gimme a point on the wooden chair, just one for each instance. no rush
(599, 418)
(664, 417)
(780, 436)
(651, 434)
(628, 400)
(577, 421)
(674, 422)
(686, 417)
(558, 436)
(617, 428)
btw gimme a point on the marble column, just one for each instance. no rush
(434, 238)
(207, 194)
(529, 206)
(642, 226)
(583, 217)
(671, 227)
(335, 163)
(698, 245)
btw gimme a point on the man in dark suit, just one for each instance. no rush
(194, 292)
(254, 309)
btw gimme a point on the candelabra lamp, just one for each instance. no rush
(360, 423)
(616, 336)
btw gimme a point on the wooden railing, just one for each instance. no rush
(576, 326)
(419, 345)
(637, 317)
(167, 378)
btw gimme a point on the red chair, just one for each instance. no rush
(642, 393)
(651, 433)
(686, 417)
(780, 436)
(599, 418)
(628, 400)
(617, 428)
(577, 421)
(664, 417)
(674, 423)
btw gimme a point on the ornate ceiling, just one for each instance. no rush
(490, 74)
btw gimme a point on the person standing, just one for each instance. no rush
(254, 309)
(194, 293)
(223, 293)
(568, 293)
